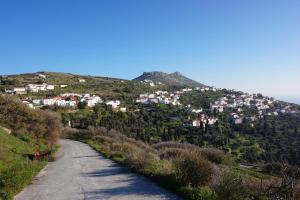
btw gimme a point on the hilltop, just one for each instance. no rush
(56, 77)
(173, 79)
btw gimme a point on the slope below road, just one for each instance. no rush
(81, 173)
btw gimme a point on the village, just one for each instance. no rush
(233, 103)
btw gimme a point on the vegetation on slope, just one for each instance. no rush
(24, 121)
(16, 169)
(194, 173)
(265, 143)
(269, 140)
(32, 131)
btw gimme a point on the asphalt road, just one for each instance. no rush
(81, 173)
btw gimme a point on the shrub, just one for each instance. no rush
(25, 138)
(171, 153)
(138, 160)
(26, 121)
(214, 155)
(198, 193)
(172, 149)
(193, 169)
(175, 145)
(231, 187)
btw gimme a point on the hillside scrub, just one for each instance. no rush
(190, 171)
(16, 169)
(33, 130)
(24, 121)
(192, 168)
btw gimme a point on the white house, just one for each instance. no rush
(217, 108)
(37, 101)
(197, 110)
(48, 102)
(31, 88)
(71, 103)
(71, 95)
(238, 121)
(123, 109)
(19, 90)
(212, 121)
(91, 101)
(9, 91)
(50, 87)
(113, 104)
(42, 76)
(39, 87)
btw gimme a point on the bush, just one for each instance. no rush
(171, 153)
(172, 149)
(175, 145)
(25, 138)
(231, 187)
(198, 193)
(23, 120)
(193, 169)
(214, 155)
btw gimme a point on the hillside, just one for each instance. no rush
(252, 129)
(32, 130)
(173, 79)
(16, 169)
(104, 86)
(53, 78)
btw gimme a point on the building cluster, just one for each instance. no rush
(30, 88)
(202, 121)
(163, 97)
(151, 83)
(72, 100)
(261, 104)
(33, 88)
(200, 89)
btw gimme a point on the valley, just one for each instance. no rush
(167, 119)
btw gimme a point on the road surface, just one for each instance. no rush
(81, 173)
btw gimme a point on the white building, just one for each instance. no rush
(37, 101)
(123, 109)
(50, 87)
(39, 87)
(80, 80)
(42, 76)
(19, 90)
(48, 102)
(113, 104)
(91, 101)
(197, 110)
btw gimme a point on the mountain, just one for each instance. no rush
(173, 79)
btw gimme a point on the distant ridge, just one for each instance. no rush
(173, 79)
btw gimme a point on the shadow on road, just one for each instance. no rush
(126, 185)
(90, 156)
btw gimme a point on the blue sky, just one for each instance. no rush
(249, 45)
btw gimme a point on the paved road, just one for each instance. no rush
(81, 173)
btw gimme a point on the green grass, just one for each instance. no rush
(16, 169)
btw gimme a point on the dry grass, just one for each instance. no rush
(192, 168)
(177, 165)
(23, 120)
